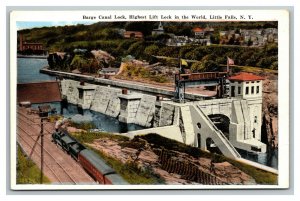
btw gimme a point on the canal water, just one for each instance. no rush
(28, 71)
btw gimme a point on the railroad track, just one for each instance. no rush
(26, 144)
(60, 172)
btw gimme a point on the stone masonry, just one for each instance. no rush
(134, 108)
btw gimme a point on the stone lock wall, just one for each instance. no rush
(145, 111)
(106, 101)
(134, 108)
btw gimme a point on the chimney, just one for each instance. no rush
(21, 42)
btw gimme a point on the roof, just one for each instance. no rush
(198, 29)
(39, 92)
(96, 161)
(137, 33)
(67, 139)
(245, 77)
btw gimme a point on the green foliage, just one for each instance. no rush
(159, 142)
(89, 137)
(105, 36)
(136, 71)
(151, 50)
(171, 62)
(207, 64)
(137, 49)
(260, 176)
(130, 171)
(82, 125)
(27, 171)
(274, 65)
(169, 51)
(142, 26)
(197, 67)
(84, 64)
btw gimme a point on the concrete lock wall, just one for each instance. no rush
(70, 91)
(204, 126)
(110, 101)
(144, 110)
(216, 106)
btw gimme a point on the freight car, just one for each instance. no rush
(92, 163)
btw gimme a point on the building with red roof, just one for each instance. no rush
(133, 34)
(30, 46)
(245, 77)
(199, 32)
(245, 85)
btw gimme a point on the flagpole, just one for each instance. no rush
(227, 65)
(180, 66)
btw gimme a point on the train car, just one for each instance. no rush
(115, 179)
(98, 169)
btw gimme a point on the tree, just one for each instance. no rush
(197, 67)
(144, 27)
(136, 49)
(151, 50)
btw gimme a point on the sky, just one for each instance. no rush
(28, 25)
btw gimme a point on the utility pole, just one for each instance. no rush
(42, 149)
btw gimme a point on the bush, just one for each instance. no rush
(89, 137)
(197, 67)
(151, 50)
(27, 171)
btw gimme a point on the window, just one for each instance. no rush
(252, 82)
(80, 93)
(232, 91)
(239, 90)
(252, 90)
(257, 89)
(247, 90)
(247, 82)
(257, 81)
(198, 125)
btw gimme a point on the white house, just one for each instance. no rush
(246, 85)
(247, 88)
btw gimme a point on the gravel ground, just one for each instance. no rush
(59, 167)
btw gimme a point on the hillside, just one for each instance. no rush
(109, 37)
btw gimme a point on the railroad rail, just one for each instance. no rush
(67, 169)
(38, 155)
(57, 164)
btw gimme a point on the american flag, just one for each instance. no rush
(230, 61)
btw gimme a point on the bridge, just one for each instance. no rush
(137, 87)
(183, 81)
